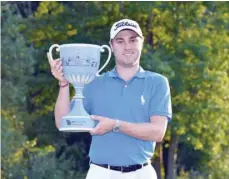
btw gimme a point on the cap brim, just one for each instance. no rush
(124, 28)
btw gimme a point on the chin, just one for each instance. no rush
(131, 64)
(128, 62)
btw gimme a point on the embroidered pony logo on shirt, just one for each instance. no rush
(142, 100)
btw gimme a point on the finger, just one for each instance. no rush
(94, 131)
(98, 118)
(52, 63)
(58, 61)
(53, 70)
(58, 67)
(59, 71)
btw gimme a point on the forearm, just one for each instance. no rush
(62, 106)
(144, 131)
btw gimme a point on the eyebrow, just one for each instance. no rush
(133, 37)
(120, 38)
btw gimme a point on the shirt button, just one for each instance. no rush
(125, 86)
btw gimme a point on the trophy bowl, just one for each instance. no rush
(80, 66)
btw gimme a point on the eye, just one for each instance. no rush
(120, 42)
(133, 40)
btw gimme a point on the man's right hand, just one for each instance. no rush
(57, 69)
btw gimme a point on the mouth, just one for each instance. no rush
(128, 54)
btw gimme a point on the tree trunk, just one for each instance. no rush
(172, 156)
(157, 164)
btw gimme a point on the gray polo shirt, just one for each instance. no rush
(145, 95)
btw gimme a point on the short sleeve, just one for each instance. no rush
(160, 102)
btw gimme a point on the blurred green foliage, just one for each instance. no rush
(185, 41)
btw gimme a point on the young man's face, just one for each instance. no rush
(127, 47)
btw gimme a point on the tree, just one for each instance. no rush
(192, 47)
(21, 157)
(185, 41)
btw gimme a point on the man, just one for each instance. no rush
(131, 107)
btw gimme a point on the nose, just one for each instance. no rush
(127, 46)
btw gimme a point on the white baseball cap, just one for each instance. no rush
(125, 24)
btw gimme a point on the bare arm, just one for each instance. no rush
(62, 106)
(153, 131)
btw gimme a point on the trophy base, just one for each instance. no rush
(72, 129)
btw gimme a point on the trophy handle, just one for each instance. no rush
(49, 54)
(108, 59)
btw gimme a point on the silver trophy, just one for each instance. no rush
(80, 66)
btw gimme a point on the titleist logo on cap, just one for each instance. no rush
(124, 23)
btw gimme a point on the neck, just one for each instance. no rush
(126, 73)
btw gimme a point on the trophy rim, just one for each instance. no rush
(76, 129)
(80, 45)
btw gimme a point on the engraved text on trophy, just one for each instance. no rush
(80, 62)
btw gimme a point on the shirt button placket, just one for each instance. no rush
(124, 89)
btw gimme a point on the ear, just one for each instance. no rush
(142, 42)
(110, 42)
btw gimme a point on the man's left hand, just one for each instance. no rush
(105, 125)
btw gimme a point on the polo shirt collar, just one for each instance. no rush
(140, 73)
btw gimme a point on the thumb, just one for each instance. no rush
(94, 131)
(94, 117)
